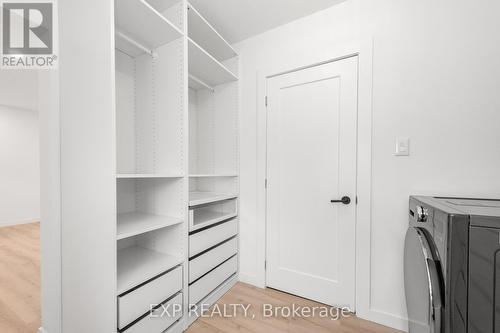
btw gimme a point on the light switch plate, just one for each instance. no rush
(402, 147)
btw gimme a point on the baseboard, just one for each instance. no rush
(379, 317)
(13, 223)
(384, 318)
(251, 279)
(376, 316)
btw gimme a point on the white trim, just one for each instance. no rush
(50, 200)
(364, 50)
(386, 319)
(13, 223)
(364, 179)
(261, 162)
(41, 330)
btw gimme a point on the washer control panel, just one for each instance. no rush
(422, 214)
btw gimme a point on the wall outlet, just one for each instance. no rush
(402, 147)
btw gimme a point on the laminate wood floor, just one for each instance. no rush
(20, 298)
(20, 278)
(246, 294)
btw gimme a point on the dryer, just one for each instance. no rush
(452, 265)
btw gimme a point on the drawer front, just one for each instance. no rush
(136, 303)
(204, 263)
(158, 322)
(205, 239)
(206, 215)
(204, 286)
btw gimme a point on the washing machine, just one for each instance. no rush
(452, 265)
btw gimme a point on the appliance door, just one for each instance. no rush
(423, 285)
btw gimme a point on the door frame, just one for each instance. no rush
(363, 49)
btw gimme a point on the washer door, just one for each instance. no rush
(422, 284)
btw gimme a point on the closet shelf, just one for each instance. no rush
(136, 223)
(162, 5)
(207, 37)
(206, 68)
(201, 198)
(130, 46)
(146, 175)
(221, 175)
(137, 265)
(206, 218)
(140, 27)
(197, 84)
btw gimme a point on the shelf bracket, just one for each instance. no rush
(136, 44)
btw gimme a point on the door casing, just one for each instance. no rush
(363, 48)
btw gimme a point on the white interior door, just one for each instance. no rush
(311, 160)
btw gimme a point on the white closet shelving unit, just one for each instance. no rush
(177, 159)
(213, 161)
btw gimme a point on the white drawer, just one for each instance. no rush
(204, 286)
(158, 321)
(136, 303)
(208, 214)
(204, 263)
(205, 239)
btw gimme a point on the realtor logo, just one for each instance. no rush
(28, 34)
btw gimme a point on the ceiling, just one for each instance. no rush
(237, 20)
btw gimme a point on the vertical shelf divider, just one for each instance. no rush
(213, 170)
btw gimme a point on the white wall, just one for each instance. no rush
(436, 73)
(19, 157)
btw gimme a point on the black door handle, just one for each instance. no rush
(345, 200)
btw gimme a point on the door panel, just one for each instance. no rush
(311, 159)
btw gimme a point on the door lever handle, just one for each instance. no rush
(345, 200)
